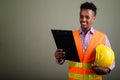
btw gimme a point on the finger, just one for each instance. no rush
(63, 54)
(59, 50)
(92, 65)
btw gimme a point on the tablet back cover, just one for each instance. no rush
(64, 40)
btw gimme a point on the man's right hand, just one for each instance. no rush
(59, 54)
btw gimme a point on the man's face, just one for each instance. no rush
(87, 18)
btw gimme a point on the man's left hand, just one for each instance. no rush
(100, 70)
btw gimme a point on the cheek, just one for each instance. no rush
(80, 20)
(90, 21)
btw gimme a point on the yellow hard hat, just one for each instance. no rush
(104, 56)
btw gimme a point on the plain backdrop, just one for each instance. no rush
(27, 46)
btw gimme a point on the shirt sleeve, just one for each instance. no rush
(107, 43)
(60, 61)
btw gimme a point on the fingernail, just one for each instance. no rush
(61, 49)
(63, 52)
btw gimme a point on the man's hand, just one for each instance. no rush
(100, 70)
(59, 54)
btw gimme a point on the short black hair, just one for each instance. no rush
(89, 5)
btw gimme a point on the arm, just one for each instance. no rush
(104, 70)
(107, 43)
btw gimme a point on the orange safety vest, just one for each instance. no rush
(82, 70)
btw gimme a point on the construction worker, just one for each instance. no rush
(86, 40)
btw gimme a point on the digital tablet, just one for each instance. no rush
(64, 40)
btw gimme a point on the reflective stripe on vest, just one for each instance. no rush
(86, 77)
(82, 70)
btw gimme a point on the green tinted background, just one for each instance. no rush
(26, 43)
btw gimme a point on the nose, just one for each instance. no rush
(83, 19)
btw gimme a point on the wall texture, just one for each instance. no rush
(26, 43)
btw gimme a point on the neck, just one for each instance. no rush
(85, 30)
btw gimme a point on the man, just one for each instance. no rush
(89, 38)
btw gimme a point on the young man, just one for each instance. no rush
(89, 38)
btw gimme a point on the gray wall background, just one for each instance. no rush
(26, 43)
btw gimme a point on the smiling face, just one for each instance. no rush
(87, 18)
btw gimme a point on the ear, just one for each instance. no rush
(94, 18)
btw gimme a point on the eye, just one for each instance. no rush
(81, 17)
(87, 17)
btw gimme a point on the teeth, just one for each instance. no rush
(83, 23)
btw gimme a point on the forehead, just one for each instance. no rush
(86, 12)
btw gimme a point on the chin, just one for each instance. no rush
(84, 27)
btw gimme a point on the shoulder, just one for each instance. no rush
(99, 32)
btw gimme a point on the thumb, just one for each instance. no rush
(92, 65)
